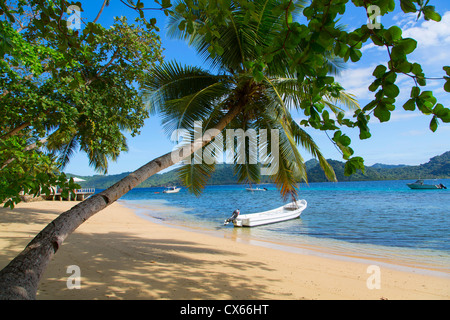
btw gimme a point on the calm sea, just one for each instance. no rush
(382, 220)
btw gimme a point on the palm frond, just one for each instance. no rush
(306, 141)
(195, 176)
(63, 143)
(346, 99)
(283, 161)
(67, 152)
(246, 167)
(183, 94)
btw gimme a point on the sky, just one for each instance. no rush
(405, 139)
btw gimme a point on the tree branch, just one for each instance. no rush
(15, 131)
(101, 10)
(27, 148)
(103, 68)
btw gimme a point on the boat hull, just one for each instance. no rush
(422, 187)
(272, 216)
(172, 191)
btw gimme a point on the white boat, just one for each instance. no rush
(172, 190)
(256, 189)
(419, 184)
(287, 212)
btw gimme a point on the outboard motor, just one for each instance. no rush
(233, 217)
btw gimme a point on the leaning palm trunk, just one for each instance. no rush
(21, 277)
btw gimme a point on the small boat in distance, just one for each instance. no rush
(256, 189)
(172, 190)
(287, 212)
(419, 184)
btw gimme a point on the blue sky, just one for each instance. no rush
(405, 139)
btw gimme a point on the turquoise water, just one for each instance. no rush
(381, 219)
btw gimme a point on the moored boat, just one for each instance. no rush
(419, 184)
(256, 189)
(172, 190)
(287, 212)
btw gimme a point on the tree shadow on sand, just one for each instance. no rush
(141, 268)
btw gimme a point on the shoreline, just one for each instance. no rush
(124, 256)
(326, 248)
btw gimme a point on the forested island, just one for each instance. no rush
(437, 168)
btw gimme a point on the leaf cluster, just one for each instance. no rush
(73, 89)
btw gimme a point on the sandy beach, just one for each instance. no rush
(123, 256)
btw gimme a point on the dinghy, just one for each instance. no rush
(287, 212)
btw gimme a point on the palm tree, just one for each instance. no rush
(184, 94)
(231, 98)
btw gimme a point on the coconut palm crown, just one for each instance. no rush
(261, 97)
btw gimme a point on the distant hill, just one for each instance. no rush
(437, 168)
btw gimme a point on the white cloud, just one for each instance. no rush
(357, 80)
(401, 116)
(430, 33)
(407, 20)
(372, 46)
(432, 52)
(433, 40)
(414, 133)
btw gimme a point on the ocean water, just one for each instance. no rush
(382, 220)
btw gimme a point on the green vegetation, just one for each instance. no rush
(438, 167)
(64, 89)
(258, 96)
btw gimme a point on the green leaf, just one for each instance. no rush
(379, 71)
(415, 91)
(393, 33)
(391, 90)
(431, 14)
(180, 8)
(354, 164)
(182, 25)
(374, 85)
(447, 70)
(417, 69)
(408, 45)
(355, 54)
(407, 6)
(258, 75)
(434, 124)
(219, 50)
(442, 113)
(382, 113)
(447, 86)
(364, 134)
(405, 67)
(410, 105)
(166, 4)
(390, 77)
(402, 48)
